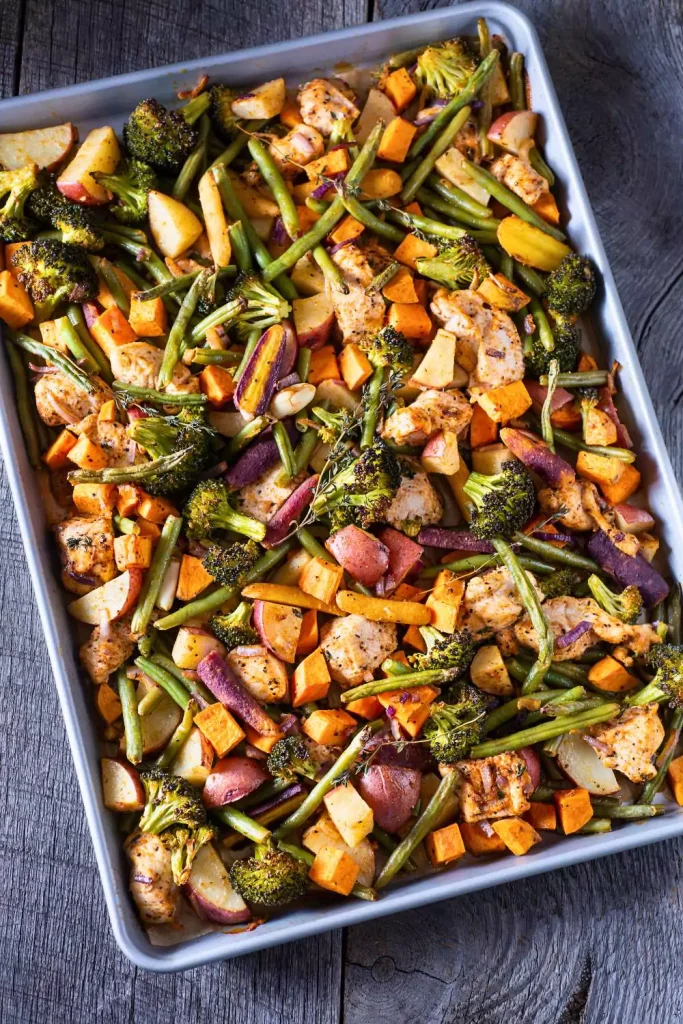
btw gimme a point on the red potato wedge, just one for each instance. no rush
(232, 779)
(363, 556)
(630, 519)
(536, 455)
(111, 601)
(281, 523)
(195, 760)
(533, 765)
(159, 725)
(99, 152)
(313, 320)
(404, 557)
(577, 759)
(45, 147)
(538, 393)
(210, 892)
(257, 384)
(173, 225)
(391, 793)
(606, 404)
(215, 673)
(121, 786)
(514, 131)
(279, 627)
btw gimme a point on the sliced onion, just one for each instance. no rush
(564, 538)
(574, 634)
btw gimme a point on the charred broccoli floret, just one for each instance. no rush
(131, 186)
(566, 351)
(223, 118)
(79, 224)
(185, 844)
(159, 137)
(625, 606)
(17, 187)
(234, 630)
(560, 583)
(456, 265)
(453, 728)
(271, 877)
(571, 288)
(388, 347)
(588, 400)
(363, 490)
(290, 757)
(445, 650)
(445, 68)
(230, 566)
(208, 510)
(187, 432)
(54, 272)
(170, 802)
(504, 502)
(667, 685)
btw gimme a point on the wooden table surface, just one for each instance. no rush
(596, 943)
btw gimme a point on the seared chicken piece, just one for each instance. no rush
(359, 312)
(569, 500)
(431, 412)
(260, 672)
(297, 148)
(263, 498)
(492, 603)
(493, 787)
(322, 103)
(415, 505)
(520, 177)
(60, 402)
(604, 520)
(86, 548)
(629, 743)
(139, 363)
(500, 357)
(354, 647)
(488, 344)
(565, 613)
(104, 653)
(156, 895)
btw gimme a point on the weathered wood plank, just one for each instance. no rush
(10, 44)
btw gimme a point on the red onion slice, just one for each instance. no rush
(574, 634)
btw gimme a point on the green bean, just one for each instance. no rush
(484, 114)
(284, 447)
(264, 792)
(69, 336)
(368, 218)
(214, 357)
(330, 270)
(75, 315)
(507, 266)
(424, 824)
(417, 222)
(156, 397)
(25, 408)
(333, 215)
(125, 525)
(344, 763)
(540, 166)
(150, 701)
(252, 342)
(545, 334)
(432, 201)
(78, 377)
(575, 444)
(442, 142)
(371, 399)
(529, 598)
(595, 826)
(180, 735)
(560, 555)
(240, 247)
(170, 533)
(127, 474)
(201, 693)
(629, 812)
(210, 602)
(508, 199)
(473, 562)
(516, 82)
(131, 719)
(396, 668)
(502, 714)
(530, 278)
(545, 731)
(459, 198)
(165, 680)
(224, 315)
(546, 411)
(111, 279)
(242, 823)
(313, 546)
(519, 669)
(318, 206)
(177, 332)
(181, 282)
(124, 231)
(578, 379)
(303, 364)
(126, 268)
(383, 278)
(272, 176)
(194, 161)
(304, 450)
(248, 432)
(238, 144)
(389, 844)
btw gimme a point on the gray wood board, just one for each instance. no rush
(595, 943)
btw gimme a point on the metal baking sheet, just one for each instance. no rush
(109, 100)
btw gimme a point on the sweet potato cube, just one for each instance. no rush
(483, 430)
(547, 208)
(381, 183)
(107, 413)
(411, 248)
(334, 162)
(505, 403)
(290, 115)
(401, 287)
(16, 308)
(329, 727)
(217, 384)
(574, 808)
(444, 845)
(355, 366)
(675, 778)
(127, 500)
(438, 362)
(219, 727)
(517, 834)
(445, 599)
(56, 457)
(600, 469)
(334, 869)
(350, 813)
(311, 679)
(407, 592)
(414, 638)
(108, 703)
(396, 141)
(264, 743)
(347, 230)
(412, 711)
(132, 552)
(586, 363)
(324, 365)
(609, 674)
(193, 578)
(600, 430)
(148, 317)
(400, 88)
(308, 637)
(321, 579)
(411, 319)
(489, 672)
(480, 839)
(148, 529)
(111, 330)
(542, 816)
(156, 510)
(94, 499)
(87, 455)
(628, 484)
(365, 707)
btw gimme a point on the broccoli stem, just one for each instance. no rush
(629, 812)
(76, 318)
(194, 161)
(156, 397)
(127, 474)
(131, 716)
(424, 824)
(516, 83)
(203, 605)
(371, 401)
(165, 680)
(511, 201)
(240, 247)
(177, 332)
(546, 412)
(406, 57)
(545, 731)
(181, 733)
(272, 176)
(363, 892)
(237, 144)
(407, 681)
(333, 214)
(484, 114)
(344, 762)
(649, 694)
(448, 209)
(170, 533)
(363, 214)
(460, 200)
(529, 598)
(330, 270)
(242, 823)
(78, 377)
(25, 407)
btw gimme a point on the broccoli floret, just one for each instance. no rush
(223, 118)
(446, 68)
(290, 757)
(625, 606)
(571, 288)
(170, 801)
(131, 186)
(667, 684)
(456, 265)
(54, 272)
(388, 347)
(560, 583)
(362, 492)
(588, 399)
(208, 510)
(337, 427)
(211, 296)
(566, 351)
(159, 137)
(79, 224)
(17, 186)
(187, 432)
(453, 728)
(271, 877)
(504, 502)
(185, 844)
(445, 650)
(234, 630)
(264, 306)
(230, 566)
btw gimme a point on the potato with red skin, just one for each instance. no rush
(404, 558)
(112, 601)
(99, 152)
(514, 131)
(391, 792)
(210, 892)
(313, 320)
(363, 556)
(233, 778)
(45, 147)
(122, 789)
